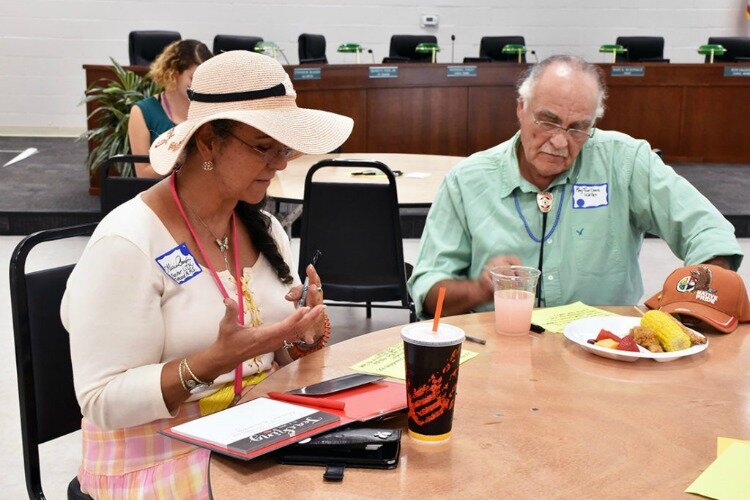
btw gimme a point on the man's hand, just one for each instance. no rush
(486, 278)
(721, 261)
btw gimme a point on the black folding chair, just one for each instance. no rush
(45, 378)
(145, 46)
(357, 227)
(114, 190)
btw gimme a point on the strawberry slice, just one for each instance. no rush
(628, 344)
(606, 334)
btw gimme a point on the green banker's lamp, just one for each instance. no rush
(614, 49)
(270, 49)
(350, 48)
(710, 50)
(424, 48)
(514, 48)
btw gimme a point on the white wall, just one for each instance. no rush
(43, 43)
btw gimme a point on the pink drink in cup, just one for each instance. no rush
(515, 288)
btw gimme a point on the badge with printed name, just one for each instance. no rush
(179, 264)
(590, 195)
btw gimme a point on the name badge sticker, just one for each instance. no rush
(179, 264)
(590, 195)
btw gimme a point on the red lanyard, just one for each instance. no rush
(222, 290)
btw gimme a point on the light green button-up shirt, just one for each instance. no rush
(616, 190)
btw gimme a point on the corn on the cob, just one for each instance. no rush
(667, 330)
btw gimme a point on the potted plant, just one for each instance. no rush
(112, 100)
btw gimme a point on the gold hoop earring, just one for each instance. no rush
(208, 165)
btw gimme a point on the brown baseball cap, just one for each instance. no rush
(712, 294)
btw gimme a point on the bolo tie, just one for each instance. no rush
(544, 202)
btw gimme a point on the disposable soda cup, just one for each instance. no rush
(432, 361)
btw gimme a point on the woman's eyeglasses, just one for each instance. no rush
(269, 155)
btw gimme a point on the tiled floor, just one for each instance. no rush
(61, 457)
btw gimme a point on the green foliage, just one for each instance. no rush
(114, 99)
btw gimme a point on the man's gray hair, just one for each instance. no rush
(532, 75)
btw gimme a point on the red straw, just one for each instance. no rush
(438, 309)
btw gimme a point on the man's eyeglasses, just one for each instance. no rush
(269, 155)
(577, 134)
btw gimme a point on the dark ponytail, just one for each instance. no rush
(258, 225)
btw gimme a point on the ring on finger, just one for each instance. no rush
(287, 344)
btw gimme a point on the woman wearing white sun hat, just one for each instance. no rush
(157, 333)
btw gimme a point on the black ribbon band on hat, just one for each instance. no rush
(250, 95)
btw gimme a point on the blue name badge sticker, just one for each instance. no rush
(590, 195)
(179, 264)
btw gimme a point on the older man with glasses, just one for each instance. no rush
(601, 191)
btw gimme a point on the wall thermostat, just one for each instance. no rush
(428, 20)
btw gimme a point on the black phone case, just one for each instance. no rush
(365, 448)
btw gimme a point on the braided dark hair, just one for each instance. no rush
(257, 223)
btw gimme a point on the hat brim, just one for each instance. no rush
(717, 319)
(308, 131)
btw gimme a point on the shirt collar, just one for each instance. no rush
(511, 176)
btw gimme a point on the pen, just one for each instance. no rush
(306, 286)
(537, 328)
(476, 340)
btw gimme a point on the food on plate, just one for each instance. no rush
(608, 343)
(606, 334)
(611, 341)
(646, 337)
(667, 330)
(628, 344)
(695, 339)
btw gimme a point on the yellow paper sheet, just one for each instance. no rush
(727, 477)
(554, 319)
(722, 443)
(390, 362)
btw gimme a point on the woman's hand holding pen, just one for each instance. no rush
(313, 297)
(236, 343)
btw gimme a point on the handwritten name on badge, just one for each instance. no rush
(179, 264)
(590, 195)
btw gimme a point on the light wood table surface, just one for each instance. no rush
(536, 417)
(289, 184)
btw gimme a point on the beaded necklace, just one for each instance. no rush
(546, 236)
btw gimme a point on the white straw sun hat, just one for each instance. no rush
(253, 89)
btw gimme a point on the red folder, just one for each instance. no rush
(361, 404)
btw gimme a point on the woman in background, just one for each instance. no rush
(149, 118)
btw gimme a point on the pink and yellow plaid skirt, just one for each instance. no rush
(138, 462)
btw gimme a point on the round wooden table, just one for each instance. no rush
(413, 191)
(536, 416)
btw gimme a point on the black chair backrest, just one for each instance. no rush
(145, 46)
(641, 49)
(225, 43)
(45, 378)
(357, 227)
(311, 49)
(403, 47)
(492, 47)
(115, 190)
(738, 48)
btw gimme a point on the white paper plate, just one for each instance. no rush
(581, 330)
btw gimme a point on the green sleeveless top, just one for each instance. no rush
(156, 119)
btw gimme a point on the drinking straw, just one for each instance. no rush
(438, 309)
